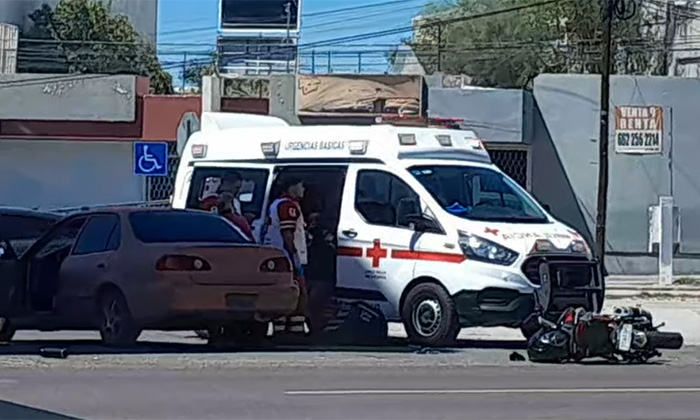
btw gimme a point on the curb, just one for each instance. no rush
(671, 295)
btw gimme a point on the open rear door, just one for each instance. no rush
(12, 271)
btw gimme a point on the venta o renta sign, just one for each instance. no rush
(639, 129)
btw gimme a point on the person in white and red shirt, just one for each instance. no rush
(286, 231)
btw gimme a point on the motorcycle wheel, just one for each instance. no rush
(664, 340)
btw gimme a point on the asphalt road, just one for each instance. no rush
(158, 380)
(478, 392)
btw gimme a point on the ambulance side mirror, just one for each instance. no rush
(421, 223)
(409, 214)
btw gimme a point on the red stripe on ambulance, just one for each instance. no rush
(427, 256)
(377, 253)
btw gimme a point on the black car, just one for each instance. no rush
(20, 227)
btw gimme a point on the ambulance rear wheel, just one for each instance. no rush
(429, 316)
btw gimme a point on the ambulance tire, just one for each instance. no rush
(429, 316)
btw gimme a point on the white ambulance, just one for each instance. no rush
(424, 226)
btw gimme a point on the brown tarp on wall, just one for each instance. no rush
(359, 94)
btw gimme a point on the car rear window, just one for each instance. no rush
(157, 226)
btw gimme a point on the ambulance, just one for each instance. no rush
(423, 226)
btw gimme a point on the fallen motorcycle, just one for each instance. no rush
(628, 335)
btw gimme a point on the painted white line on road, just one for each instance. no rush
(495, 391)
(8, 381)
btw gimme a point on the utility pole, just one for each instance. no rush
(439, 48)
(184, 73)
(603, 144)
(669, 35)
(288, 12)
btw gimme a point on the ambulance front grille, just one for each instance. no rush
(578, 274)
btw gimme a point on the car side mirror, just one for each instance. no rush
(546, 208)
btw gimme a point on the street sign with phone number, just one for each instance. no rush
(639, 129)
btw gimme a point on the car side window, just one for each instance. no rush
(115, 238)
(378, 196)
(95, 236)
(62, 238)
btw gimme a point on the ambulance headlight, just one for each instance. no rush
(480, 249)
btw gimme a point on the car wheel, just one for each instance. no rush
(429, 316)
(117, 325)
(7, 331)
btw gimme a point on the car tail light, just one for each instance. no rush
(182, 263)
(276, 265)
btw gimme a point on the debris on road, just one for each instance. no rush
(53, 353)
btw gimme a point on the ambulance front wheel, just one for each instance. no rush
(429, 316)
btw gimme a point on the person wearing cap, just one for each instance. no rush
(286, 231)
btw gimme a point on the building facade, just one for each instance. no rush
(143, 14)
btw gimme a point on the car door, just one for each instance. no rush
(374, 248)
(11, 276)
(88, 265)
(44, 261)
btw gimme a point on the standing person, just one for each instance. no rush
(286, 231)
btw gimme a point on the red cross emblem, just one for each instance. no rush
(494, 232)
(376, 253)
(575, 234)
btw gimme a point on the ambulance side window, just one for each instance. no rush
(206, 182)
(377, 197)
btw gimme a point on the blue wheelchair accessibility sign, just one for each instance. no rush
(151, 159)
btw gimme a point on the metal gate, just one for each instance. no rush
(514, 160)
(161, 187)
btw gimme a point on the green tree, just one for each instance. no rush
(195, 70)
(509, 50)
(88, 38)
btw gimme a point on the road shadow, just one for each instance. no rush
(9, 410)
(54, 348)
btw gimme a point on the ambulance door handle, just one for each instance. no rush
(350, 233)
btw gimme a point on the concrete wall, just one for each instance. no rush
(60, 97)
(496, 115)
(143, 14)
(53, 174)
(569, 110)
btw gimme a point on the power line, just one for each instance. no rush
(401, 4)
(430, 24)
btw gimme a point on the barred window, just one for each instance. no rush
(514, 162)
(161, 187)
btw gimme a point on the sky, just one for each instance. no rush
(190, 27)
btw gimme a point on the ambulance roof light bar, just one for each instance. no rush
(357, 147)
(198, 151)
(445, 140)
(270, 149)
(416, 121)
(407, 139)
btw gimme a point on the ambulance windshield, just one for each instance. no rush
(476, 193)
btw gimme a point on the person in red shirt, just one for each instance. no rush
(225, 208)
(226, 203)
